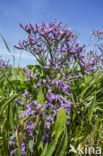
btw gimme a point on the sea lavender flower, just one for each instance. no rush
(23, 148)
(36, 74)
(12, 152)
(4, 64)
(49, 36)
(25, 94)
(28, 74)
(11, 142)
(18, 102)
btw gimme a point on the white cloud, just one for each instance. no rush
(23, 55)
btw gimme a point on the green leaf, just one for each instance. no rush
(5, 141)
(40, 97)
(59, 127)
(99, 109)
(40, 133)
(2, 101)
(91, 109)
(5, 43)
(7, 103)
(44, 150)
(31, 143)
(62, 145)
(60, 124)
(90, 116)
(11, 117)
(16, 152)
(51, 148)
(21, 84)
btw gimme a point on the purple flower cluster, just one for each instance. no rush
(18, 102)
(23, 148)
(25, 94)
(98, 33)
(52, 45)
(98, 44)
(28, 74)
(55, 48)
(4, 64)
(56, 97)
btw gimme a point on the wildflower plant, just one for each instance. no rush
(47, 87)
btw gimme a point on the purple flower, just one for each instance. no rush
(4, 64)
(23, 148)
(12, 152)
(25, 94)
(50, 118)
(36, 74)
(47, 124)
(18, 102)
(11, 142)
(28, 74)
(50, 105)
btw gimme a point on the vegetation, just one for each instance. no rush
(56, 106)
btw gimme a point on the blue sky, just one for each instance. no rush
(80, 15)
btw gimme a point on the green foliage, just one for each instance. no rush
(40, 97)
(86, 126)
(86, 123)
(60, 123)
(60, 139)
